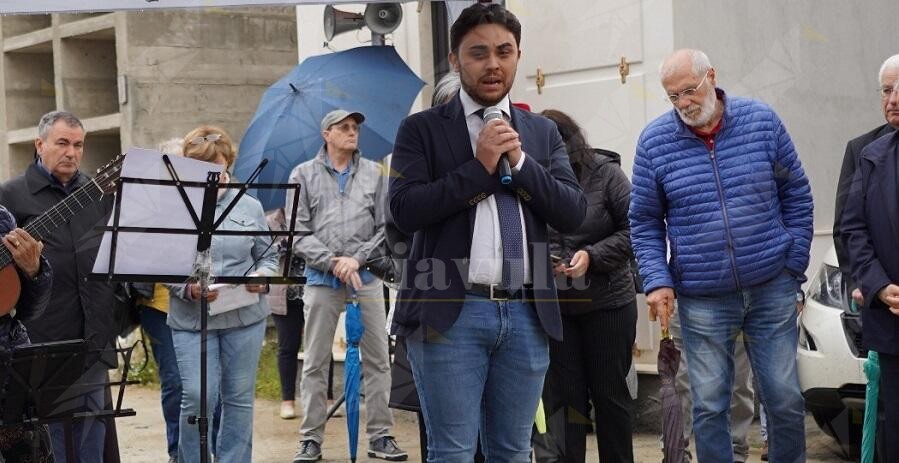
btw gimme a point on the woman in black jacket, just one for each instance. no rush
(21, 257)
(599, 311)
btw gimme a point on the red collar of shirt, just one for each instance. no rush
(708, 137)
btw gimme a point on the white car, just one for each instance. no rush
(831, 357)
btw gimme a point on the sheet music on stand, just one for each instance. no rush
(153, 233)
(154, 206)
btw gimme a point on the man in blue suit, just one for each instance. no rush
(478, 299)
(870, 233)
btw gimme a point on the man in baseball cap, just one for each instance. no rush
(341, 218)
(338, 115)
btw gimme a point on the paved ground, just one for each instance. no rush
(142, 438)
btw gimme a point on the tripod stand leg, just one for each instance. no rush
(334, 407)
(70, 440)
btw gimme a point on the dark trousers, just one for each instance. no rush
(290, 337)
(154, 323)
(591, 363)
(889, 397)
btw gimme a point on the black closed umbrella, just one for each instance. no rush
(672, 416)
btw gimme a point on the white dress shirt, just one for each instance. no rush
(486, 256)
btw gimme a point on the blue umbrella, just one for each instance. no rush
(286, 129)
(352, 373)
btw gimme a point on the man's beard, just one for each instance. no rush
(706, 110)
(472, 91)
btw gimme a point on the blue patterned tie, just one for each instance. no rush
(510, 232)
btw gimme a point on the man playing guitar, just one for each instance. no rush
(62, 206)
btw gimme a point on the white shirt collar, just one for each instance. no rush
(469, 106)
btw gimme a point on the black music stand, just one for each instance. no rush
(43, 384)
(205, 226)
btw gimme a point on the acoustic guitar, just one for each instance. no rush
(102, 184)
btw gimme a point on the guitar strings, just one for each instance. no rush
(81, 193)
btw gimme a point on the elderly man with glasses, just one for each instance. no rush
(718, 182)
(888, 79)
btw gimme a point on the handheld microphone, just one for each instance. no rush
(505, 171)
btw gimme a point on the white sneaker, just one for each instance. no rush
(287, 411)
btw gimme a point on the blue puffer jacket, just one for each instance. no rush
(736, 216)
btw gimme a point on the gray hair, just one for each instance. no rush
(700, 64)
(891, 63)
(446, 88)
(50, 119)
(172, 147)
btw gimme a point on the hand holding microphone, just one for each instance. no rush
(498, 145)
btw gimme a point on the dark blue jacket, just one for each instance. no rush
(734, 217)
(434, 195)
(870, 233)
(32, 301)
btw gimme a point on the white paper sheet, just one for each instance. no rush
(157, 206)
(231, 297)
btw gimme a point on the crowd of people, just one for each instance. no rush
(510, 292)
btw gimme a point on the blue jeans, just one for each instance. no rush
(153, 322)
(88, 435)
(484, 373)
(766, 315)
(232, 358)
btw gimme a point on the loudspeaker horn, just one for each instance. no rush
(383, 18)
(337, 22)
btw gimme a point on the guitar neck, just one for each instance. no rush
(41, 227)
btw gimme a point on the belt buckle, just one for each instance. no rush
(493, 287)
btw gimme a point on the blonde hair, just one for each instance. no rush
(206, 150)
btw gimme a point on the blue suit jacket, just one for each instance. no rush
(870, 232)
(434, 193)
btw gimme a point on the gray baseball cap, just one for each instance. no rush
(338, 115)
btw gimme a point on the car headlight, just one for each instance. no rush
(827, 288)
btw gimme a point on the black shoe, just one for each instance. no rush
(309, 450)
(386, 448)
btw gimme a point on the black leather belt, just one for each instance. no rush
(498, 293)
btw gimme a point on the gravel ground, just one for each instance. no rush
(142, 437)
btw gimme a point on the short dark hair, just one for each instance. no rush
(479, 14)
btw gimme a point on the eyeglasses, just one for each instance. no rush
(212, 137)
(673, 97)
(345, 127)
(887, 90)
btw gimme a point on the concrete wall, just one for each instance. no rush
(815, 62)
(209, 66)
(138, 78)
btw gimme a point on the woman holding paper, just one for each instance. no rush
(236, 325)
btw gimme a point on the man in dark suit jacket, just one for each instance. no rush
(78, 309)
(889, 73)
(870, 232)
(478, 299)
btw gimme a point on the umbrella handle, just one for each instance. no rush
(666, 334)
